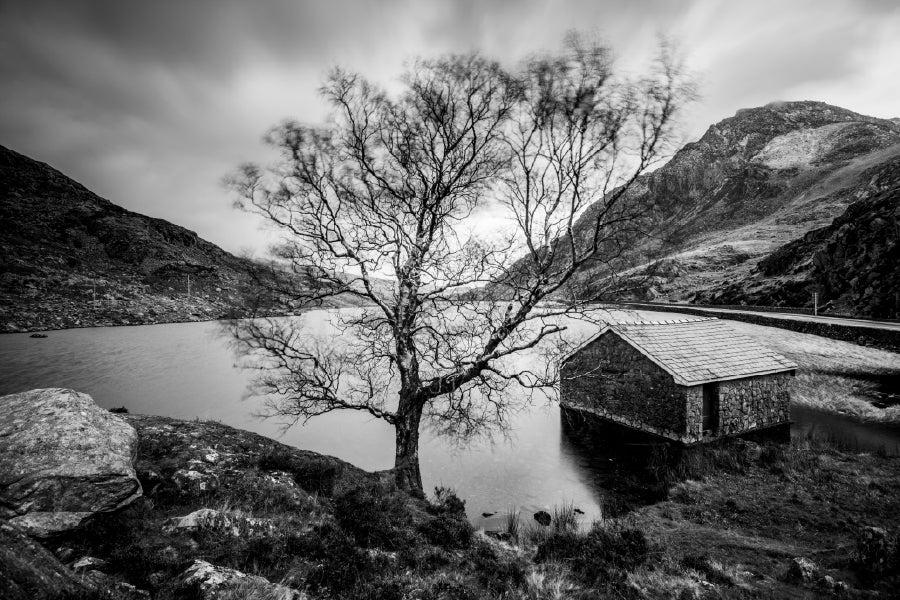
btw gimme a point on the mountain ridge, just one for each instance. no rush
(721, 211)
(71, 258)
(752, 183)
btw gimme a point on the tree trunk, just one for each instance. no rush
(406, 461)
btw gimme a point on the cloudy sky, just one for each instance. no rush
(151, 103)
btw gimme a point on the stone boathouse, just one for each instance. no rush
(689, 381)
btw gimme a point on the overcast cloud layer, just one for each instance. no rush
(150, 104)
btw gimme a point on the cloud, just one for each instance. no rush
(151, 103)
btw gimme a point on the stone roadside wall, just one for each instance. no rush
(611, 379)
(886, 339)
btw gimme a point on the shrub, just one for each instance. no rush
(446, 501)
(447, 531)
(335, 562)
(315, 474)
(261, 496)
(603, 553)
(497, 572)
(271, 555)
(375, 515)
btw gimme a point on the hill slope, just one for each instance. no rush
(71, 258)
(854, 263)
(752, 183)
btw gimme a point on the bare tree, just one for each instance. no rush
(377, 207)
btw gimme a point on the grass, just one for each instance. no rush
(738, 529)
(512, 525)
(831, 371)
(564, 518)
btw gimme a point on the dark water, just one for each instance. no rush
(186, 371)
(845, 433)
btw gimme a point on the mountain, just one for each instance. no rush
(751, 184)
(70, 258)
(854, 263)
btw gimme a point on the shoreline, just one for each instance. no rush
(731, 523)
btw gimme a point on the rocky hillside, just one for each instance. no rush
(853, 263)
(752, 183)
(69, 258)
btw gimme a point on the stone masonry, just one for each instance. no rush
(610, 378)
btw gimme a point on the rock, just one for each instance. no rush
(62, 459)
(282, 479)
(27, 567)
(802, 570)
(873, 550)
(113, 588)
(90, 563)
(150, 480)
(190, 482)
(543, 518)
(214, 520)
(213, 582)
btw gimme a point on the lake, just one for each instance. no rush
(187, 371)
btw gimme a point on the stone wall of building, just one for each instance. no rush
(611, 379)
(748, 404)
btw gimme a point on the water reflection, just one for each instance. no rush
(845, 433)
(620, 464)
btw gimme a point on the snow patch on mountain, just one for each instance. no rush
(800, 148)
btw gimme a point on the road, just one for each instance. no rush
(863, 323)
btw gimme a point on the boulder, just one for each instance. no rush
(211, 582)
(62, 460)
(802, 570)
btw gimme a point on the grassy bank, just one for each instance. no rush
(730, 521)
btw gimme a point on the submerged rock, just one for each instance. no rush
(62, 459)
(543, 518)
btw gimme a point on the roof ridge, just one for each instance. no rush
(665, 322)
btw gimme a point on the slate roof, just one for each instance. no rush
(699, 351)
